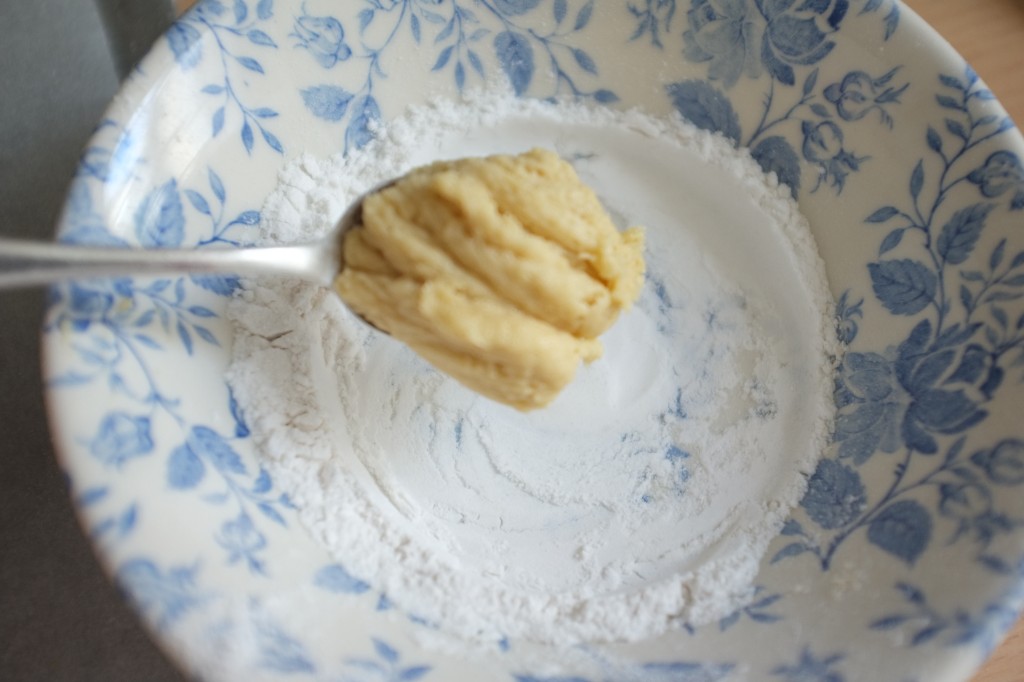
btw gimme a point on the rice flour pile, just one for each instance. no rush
(646, 494)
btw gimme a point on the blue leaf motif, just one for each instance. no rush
(446, 32)
(705, 107)
(265, 9)
(516, 56)
(201, 311)
(948, 412)
(205, 334)
(272, 141)
(961, 233)
(474, 61)
(583, 17)
(442, 58)
(159, 220)
(385, 650)
(902, 529)
(263, 483)
(184, 469)
(247, 138)
(258, 37)
(241, 11)
(686, 671)
(198, 201)
(515, 7)
(222, 285)
(365, 115)
(334, 578)
(281, 652)
(212, 447)
(250, 63)
(241, 431)
(126, 521)
(414, 25)
(186, 338)
(216, 185)
(121, 437)
(184, 40)
(790, 550)
(268, 510)
(92, 496)
(775, 155)
(365, 18)
(917, 180)
(835, 495)
(905, 287)
(585, 61)
(217, 123)
(328, 102)
(559, 9)
(247, 218)
(891, 241)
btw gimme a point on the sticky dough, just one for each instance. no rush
(500, 271)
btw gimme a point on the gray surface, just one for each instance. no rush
(60, 619)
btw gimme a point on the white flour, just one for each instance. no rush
(647, 493)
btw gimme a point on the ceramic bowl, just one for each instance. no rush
(905, 559)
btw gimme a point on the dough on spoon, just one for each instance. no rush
(500, 271)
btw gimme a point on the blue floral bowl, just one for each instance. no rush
(905, 560)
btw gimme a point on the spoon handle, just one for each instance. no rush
(29, 263)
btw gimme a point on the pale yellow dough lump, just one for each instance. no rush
(500, 271)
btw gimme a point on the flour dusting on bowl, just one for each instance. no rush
(645, 496)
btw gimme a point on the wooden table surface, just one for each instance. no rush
(990, 35)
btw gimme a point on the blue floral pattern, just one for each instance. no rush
(235, 35)
(459, 34)
(924, 469)
(781, 40)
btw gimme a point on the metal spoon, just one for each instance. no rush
(26, 263)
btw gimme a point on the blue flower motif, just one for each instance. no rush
(835, 495)
(1003, 464)
(887, 402)
(964, 501)
(160, 220)
(847, 315)
(162, 596)
(727, 34)
(798, 33)
(858, 94)
(240, 537)
(86, 304)
(823, 145)
(515, 7)
(324, 38)
(121, 437)
(872, 406)
(184, 40)
(1001, 171)
(111, 300)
